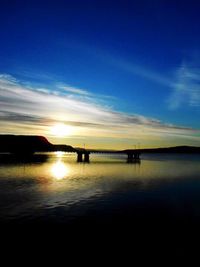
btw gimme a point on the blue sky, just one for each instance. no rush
(123, 71)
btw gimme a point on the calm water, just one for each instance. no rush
(54, 188)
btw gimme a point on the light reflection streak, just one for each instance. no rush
(59, 170)
(59, 154)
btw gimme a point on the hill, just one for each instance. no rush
(29, 144)
(176, 149)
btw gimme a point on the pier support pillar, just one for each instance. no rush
(137, 156)
(133, 157)
(83, 156)
(79, 157)
(87, 157)
(130, 157)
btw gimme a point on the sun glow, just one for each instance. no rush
(61, 130)
(59, 170)
(59, 154)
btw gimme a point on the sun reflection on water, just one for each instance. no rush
(59, 170)
(59, 154)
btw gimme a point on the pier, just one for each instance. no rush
(24, 146)
(83, 155)
(133, 156)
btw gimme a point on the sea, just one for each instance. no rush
(53, 188)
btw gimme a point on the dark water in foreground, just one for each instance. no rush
(54, 188)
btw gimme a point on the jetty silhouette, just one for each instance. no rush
(24, 145)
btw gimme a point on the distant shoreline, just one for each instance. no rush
(29, 144)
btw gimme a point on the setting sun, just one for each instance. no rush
(61, 130)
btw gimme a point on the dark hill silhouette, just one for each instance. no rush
(176, 149)
(28, 144)
(65, 148)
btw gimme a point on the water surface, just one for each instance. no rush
(54, 188)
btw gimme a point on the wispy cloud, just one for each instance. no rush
(183, 87)
(73, 90)
(27, 109)
(132, 67)
(141, 71)
(186, 90)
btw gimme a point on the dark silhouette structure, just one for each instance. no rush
(83, 156)
(27, 145)
(133, 156)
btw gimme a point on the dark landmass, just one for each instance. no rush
(29, 144)
(176, 149)
(64, 148)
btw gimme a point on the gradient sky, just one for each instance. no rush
(117, 73)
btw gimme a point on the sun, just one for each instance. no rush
(61, 130)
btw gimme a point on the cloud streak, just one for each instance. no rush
(185, 85)
(73, 90)
(186, 90)
(35, 109)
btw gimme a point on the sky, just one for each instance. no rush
(101, 74)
